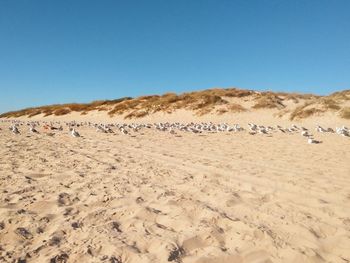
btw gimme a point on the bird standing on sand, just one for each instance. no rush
(262, 130)
(125, 132)
(75, 133)
(320, 129)
(343, 131)
(305, 134)
(33, 130)
(15, 130)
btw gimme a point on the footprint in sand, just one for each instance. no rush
(64, 199)
(23, 233)
(61, 258)
(176, 254)
(235, 200)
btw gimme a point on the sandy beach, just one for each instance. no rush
(159, 197)
(175, 131)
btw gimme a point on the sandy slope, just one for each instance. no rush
(263, 117)
(155, 197)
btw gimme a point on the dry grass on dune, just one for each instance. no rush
(303, 112)
(269, 101)
(137, 114)
(63, 109)
(220, 101)
(235, 107)
(319, 105)
(201, 102)
(345, 113)
(232, 107)
(341, 95)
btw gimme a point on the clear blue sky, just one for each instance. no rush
(78, 51)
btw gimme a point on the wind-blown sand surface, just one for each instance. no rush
(156, 197)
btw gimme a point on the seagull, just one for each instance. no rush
(343, 131)
(305, 134)
(262, 131)
(15, 130)
(320, 129)
(125, 132)
(109, 130)
(253, 127)
(101, 129)
(75, 133)
(33, 130)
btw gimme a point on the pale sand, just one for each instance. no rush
(155, 197)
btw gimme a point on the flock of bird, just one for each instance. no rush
(172, 128)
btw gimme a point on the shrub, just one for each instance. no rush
(345, 113)
(269, 101)
(62, 111)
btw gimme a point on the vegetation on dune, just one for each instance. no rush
(317, 106)
(341, 95)
(200, 102)
(269, 101)
(219, 101)
(232, 107)
(303, 111)
(63, 109)
(235, 107)
(136, 114)
(345, 113)
(330, 104)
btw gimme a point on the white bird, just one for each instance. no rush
(320, 129)
(75, 133)
(253, 127)
(33, 130)
(125, 132)
(343, 131)
(15, 130)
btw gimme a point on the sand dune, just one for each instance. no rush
(226, 102)
(157, 197)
